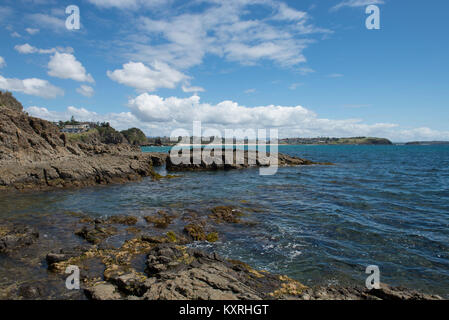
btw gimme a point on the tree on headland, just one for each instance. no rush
(135, 136)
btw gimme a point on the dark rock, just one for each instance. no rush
(52, 258)
(31, 291)
(96, 234)
(126, 220)
(226, 214)
(15, 237)
(160, 220)
(195, 231)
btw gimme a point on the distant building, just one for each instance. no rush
(76, 128)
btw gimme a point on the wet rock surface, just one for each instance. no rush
(165, 267)
(15, 237)
(385, 292)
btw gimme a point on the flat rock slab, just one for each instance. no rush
(206, 160)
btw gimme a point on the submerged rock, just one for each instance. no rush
(96, 234)
(125, 220)
(14, 237)
(225, 214)
(160, 220)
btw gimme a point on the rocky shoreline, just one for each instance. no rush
(35, 155)
(156, 261)
(126, 257)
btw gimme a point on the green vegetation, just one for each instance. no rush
(8, 100)
(135, 136)
(108, 134)
(212, 237)
(85, 137)
(171, 236)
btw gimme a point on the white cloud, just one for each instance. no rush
(32, 31)
(189, 89)
(86, 91)
(141, 77)
(28, 49)
(249, 91)
(25, 48)
(15, 35)
(305, 71)
(158, 116)
(129, 4)
(2, 62)
(287, 13)
(32, 86)
(356, 3)
(152, 108)
(47, 21)
(65, 66)
(223, 28)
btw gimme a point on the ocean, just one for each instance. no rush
(377, 205)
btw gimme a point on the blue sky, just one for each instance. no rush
(308, 68)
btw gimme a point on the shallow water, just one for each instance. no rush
(378, 205)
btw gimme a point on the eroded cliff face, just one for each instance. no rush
(35, 155)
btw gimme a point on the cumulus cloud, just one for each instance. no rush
(160, 116)
(86, 91)
(32, 86)
(356, 3)
(174, 111)
(143, 78)
(65, 66)
(28, 49)
(2, 62)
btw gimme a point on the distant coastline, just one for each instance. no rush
(165, 142)
(427, 143)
